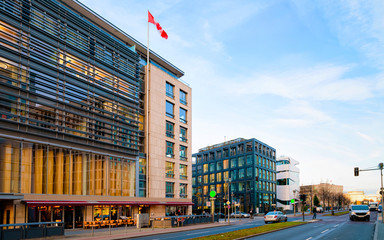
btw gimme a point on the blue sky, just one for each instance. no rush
(305, 77)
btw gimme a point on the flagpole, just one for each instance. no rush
(147, 112)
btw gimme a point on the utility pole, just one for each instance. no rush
(380, 167)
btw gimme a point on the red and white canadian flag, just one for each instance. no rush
(151, 19)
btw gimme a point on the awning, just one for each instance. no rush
(90, 203)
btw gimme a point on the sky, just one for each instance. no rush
(305, 77)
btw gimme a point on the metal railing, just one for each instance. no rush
(31, 230)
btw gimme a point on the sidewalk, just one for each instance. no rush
(379, 228)
(130, 232)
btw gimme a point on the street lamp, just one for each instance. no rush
(294, 203)
(229, 181)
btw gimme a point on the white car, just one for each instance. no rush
(359, 212)
(240, 214)
(275, 216)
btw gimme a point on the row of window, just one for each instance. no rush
(170, 112)
(234, 163)
(170, 170)
(170, 190)
(170, 131)
(235, 187)
(169, 89)
(170, 151)
(235, 174)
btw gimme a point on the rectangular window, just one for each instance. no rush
(205, 190)
(225, 164)
(233, 162)
(169, 109)
(183, 134)
(226, 176)
(205, 168)
(249, 172)
(212, 178)
(218, 177)
(170, 150)
(205, 178)
(183, 97)
(249, 160)
(183, 115)
(170, 129)
(169, 189)
(234, 175)
(219, 166)
(183, 190)
(169, 169)
(183, 171)
(218, 154)
(225, 152)
(241, 186)
(241, 161)
(241, 173)
(218, 188)
(183, 153)
(169, 90)
(212, 167)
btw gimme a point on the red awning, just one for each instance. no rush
(90, 203)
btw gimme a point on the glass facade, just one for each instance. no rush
(251, 169)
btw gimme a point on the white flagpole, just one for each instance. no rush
(147, 114)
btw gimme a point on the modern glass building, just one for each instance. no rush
(242, 171)
(74, 118)
(288, 182)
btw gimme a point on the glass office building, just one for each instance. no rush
(71, 115)
(242, 171)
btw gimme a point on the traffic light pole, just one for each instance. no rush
(357, 170)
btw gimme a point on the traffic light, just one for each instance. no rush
(303, 197)
(257, 178)
(356, 171)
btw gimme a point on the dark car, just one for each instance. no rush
(380, 208)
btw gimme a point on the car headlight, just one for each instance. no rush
(368, 212)
(353, 213)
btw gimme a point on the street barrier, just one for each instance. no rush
(31, 230)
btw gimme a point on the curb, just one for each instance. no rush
(376, 230)
(259, 234)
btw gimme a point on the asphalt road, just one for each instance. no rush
(337, 227)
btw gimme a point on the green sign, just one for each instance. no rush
(212, 194)
(292, 200)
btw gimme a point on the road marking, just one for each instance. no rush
(326, 230)
(197, 233)
(336, 225)
(308, 238)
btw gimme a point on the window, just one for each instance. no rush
(218, 154)
(226, 164)
(241, 186)
(183, 97)
(170, 129)
(249, 160)
(233, 162)
(218, 188)
(169, 189)
(183, 171)
(169, 109)
(183, 190)
(170, 149)
(241, 161)
(183, 115)
(205, 178)
(212, 178)
(249, 172)
(219, 166)
(212, 167)
(226, 176)
(241, 173)
(205, 168)
(169, 90)
(169, 169)
(205, 190)
(234, 174)
(183, 153)
(218, 177)
(183, 134)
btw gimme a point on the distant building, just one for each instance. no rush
(247, 165)
(323, 191)
(288, 182)
(358, 197)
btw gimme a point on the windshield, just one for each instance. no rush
(360, 207)
(272, 213)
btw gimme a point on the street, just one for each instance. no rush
(336, 227)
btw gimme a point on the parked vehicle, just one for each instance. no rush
(373, 206)
(380, 208)
(275, 216)
(240, 215)
(221, 215)
(359, 212)
(319, 210)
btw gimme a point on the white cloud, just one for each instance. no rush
(365, 136)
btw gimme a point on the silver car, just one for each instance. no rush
(275, 216)
(240, 215)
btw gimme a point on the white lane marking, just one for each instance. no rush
(308, 238)
(197, 233)
(326, 230)
(336, 225)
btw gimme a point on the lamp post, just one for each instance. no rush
(229, 181)
(294, 204)
(382, 192)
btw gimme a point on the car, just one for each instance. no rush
(240, 214)
(359, 212)
(380, 208)
(220, 215)
(275, 216)
(319, 210)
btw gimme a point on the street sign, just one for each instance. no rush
(229, 206)
(212, 194)
(208, 204)
(228, 202)
(292, 200)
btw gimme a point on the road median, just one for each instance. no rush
(251, 232)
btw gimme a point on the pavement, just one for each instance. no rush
(379, 228)
(133, 232)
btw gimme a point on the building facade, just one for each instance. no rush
(83, 129)
(327, 193)
(288, 182)
(359, 197)
(241, 171)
